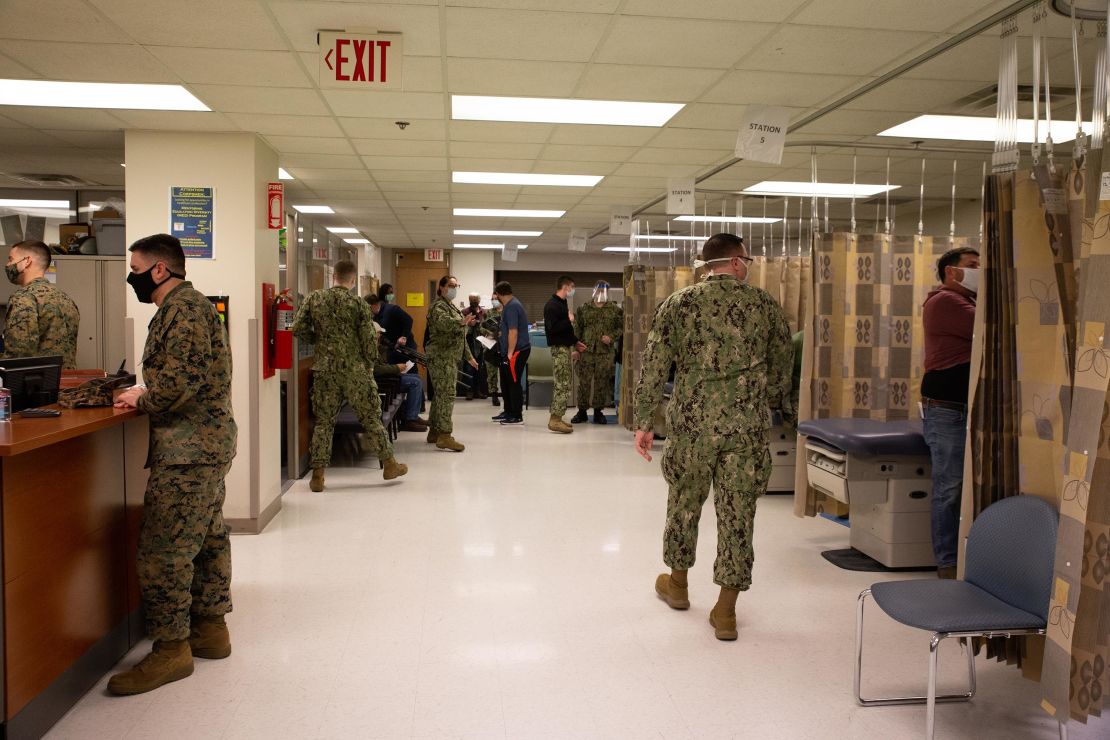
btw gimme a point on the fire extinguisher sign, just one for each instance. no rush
(276, 205)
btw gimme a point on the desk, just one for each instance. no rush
(71, 491)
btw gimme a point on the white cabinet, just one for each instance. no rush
(98, 286)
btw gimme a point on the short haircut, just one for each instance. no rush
(385, 290)
(39, 252)
(344, 271)
(162, 248)
(722, 246)
(373, 300)
(563, 281)
(503, 288)
(952, 257)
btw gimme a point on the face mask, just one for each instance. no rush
(389, 298)
(570, 293)
(451, 293)
(144, 286)
(971, 279)
(706, 263)
(13, 272)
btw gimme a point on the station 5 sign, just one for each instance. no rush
(360, 62)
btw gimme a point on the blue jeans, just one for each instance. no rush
(413, 388)
(946, 433)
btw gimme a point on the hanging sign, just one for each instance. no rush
(508, 253)
(762, 133)
(360, 61)
(191, 212)
(680, 196)
(433, 255)
(578, 239)
(275, 194)
(620, 220)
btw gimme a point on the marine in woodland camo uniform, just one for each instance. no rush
(184, 557)
(492, 357)
(732, 348)
(42, 322)
(447, 347)
(341, 326)
(597, 365)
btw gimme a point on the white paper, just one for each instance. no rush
(578, 239)
(508, 253)
(680, 196)
(762, 133)
(487, 342)
(1104, 192)
(620, 220)
(379, 328)
(408, 366)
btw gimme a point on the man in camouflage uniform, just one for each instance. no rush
(447, 345)
(599, 325)
(42, 320)
(341, 326)
(184, 554)
(733, 354)
(558, 324)
(492, 357)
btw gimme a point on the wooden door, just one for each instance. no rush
(414, 287)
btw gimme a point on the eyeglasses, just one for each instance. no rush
(745, 260)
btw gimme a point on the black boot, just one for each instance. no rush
(581, 417)
(599, 417)
(495, 399)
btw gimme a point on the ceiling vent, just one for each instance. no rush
(50, 180)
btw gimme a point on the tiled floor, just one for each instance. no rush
(506, 592)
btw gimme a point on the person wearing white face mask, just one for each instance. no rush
(949, 319)
(446, 347)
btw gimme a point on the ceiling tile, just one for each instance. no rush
(392, 105)
(679, 156)
(416, 163)
(220, 24)
(603, 135)
(506, 150)
(419, 23)
(779, 88)
(239, 99)
(853, 121)
(160, 120)
(66, 60)
(680, 43)
(710, 116)
(287, 125)
(496, 131)
(400, 147)
(896, 15)
(11, 69)
(80, 119)
(975, 59)
(422, 74)
(915, 96)
(574, 167)
(383, 128)
(715, 9)
(27, 137)
(309, 145)
(329, 188)
(655, 84)
(512, 77)
(292, 162)
(234, 66)
(407, 175)
(569, 153)
(846, 51)
(91, 139)
(50, 20)
(517, 34)
(657, 170)
(397, 186)
(689, 138)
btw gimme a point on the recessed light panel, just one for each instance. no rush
(115, 95)
(818, 189)
(979, 128)
(561, 110)
(507, 213)
(525, 178)
(495, 232)
(314, 209)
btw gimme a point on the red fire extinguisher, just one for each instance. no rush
(281, 332)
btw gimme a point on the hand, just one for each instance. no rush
(571, 316)
(402, 365)
(474, 363)
(644, 441)
(129, 399)
(607, 339)
(402, 341)
(575, 356)
(581, 346)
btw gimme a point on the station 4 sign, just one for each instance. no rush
(358, 61)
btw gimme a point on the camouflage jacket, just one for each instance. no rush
(42, 322)
(493, 317)
(341, 325)
(592, 322)
(187, 371)
(446, 332)
(733, 354)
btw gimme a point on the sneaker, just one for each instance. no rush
(512, 420)
(499, 417)
(581, 417)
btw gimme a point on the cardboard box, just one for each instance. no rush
(69, 234)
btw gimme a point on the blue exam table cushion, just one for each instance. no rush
(867, 437)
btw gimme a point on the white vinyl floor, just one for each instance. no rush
(507, 592)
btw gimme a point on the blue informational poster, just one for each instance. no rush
(191, 220)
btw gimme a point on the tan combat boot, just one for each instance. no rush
(556, 424)
(170, 660)
(724, 622)
(676, 596)
(447, 442)
(209, 638)
(317, 482)
(393, 469)
(433, 435)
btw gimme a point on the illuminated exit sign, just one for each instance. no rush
(360, 61)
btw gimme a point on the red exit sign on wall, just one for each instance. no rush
(360, 61)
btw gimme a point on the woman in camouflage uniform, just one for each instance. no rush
(446, 346)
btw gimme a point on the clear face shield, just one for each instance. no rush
(601, 293)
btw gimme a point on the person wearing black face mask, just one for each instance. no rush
(42, 320)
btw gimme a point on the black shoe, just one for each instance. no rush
(499, 417)
(581, 417)
(599, 417)
(512, 420)
(495, 400)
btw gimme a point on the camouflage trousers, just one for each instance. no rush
(493, 371)
(443, 373)
(737, 468)
(560, 369)
(329, 391)
(596, 372)
(184, 558)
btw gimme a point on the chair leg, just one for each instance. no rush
(931, 699)
(859, 645)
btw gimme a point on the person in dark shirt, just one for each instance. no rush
(949, 319)
(396, 323)
(515, 349)
(558, 324)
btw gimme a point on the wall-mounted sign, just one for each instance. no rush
(414, 300)
(620, 220)
(680, 196)
(320, 254)
(578, 239)
(275, 205)
(508, 253)
(433, 255)
(365, 62)
(762, 133)
(191, 220)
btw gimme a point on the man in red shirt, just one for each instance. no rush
(949, 319)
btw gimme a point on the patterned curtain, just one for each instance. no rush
(787, 280)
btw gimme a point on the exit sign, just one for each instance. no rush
(359, 61)
(433, 255)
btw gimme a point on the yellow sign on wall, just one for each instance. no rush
(414, 299)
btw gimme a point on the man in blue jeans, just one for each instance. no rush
(949, 319)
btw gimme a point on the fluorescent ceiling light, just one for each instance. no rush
(495, 232)
(672, 238)
(50, 94)
(979, 128)
(314, 209)
(283, 175)
(357, 241)
(30, 203)
(818, 189)
(561, 110)
(526, 178)
(626, 250)
(487, 246)
(729, 219)
(507, 213)
(341, 229)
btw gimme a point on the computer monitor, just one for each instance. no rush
(33, 381)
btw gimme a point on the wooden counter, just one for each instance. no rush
(71, 492)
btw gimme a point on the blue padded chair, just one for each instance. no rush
(1011, 549)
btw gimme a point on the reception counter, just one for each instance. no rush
(72, 491)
